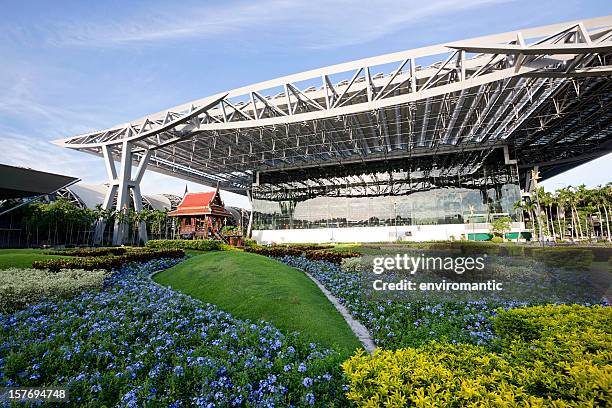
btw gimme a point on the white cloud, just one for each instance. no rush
(26, 151)
(309, 24)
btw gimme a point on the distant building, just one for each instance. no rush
(201, 215)
(91, 195)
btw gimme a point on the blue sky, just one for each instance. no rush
(67, 67)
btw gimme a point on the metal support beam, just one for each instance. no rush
(250, 196)
(142, 226)
(120, 186)
(106, 205)
(120, 230)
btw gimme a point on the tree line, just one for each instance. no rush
(575, 213)
(62, 223)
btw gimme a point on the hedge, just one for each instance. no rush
(274, 251)
(108, 262)
(550, 356)
(330, 256)
(83, 252)
(279, 251)
(566, 258)
(308, 247)
(195, 244)
(466, 248)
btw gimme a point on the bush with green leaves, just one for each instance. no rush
(280, 251)
(195, 244)
(107, 262)
(330, 256)
(308, 247)
(351, 265)
(600, 253)
(248, 243)
(231, 230)
(566, 258)
(85, 252)
(549, 356)
(274, 251)
(21, 287)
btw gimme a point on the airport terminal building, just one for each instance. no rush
(429, 143)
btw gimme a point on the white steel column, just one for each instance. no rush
(142, 226)
(120, 185)
(250, 196)
(110, 193)
(106, 205)
(123, 182)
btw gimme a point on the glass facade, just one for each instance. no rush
(291, 207)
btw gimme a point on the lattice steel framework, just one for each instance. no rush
(541, 95)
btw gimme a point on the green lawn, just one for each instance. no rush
(254, 287)
(22, 258)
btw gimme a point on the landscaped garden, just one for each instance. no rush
(233, 328)
(134, 343)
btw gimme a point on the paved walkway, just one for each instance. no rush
(359, 329)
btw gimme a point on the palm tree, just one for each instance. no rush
(581, 195)
(531, 209)
(558, 204)
(519, 208)
(569, 198)
(598, 196)
(546, 202)
(605, 197)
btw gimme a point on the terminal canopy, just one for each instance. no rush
(541, 95)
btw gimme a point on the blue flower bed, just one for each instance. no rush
(135, 344)
(395, 324)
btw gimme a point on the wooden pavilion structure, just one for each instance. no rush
(201, 215)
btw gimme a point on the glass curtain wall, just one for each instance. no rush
(438, 205)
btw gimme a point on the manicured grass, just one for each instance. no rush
(23, 258)
(254, 287)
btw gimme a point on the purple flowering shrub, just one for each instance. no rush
(137, 344)
(395, 324)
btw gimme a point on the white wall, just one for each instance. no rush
(374, 234)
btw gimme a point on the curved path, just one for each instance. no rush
(359, 329)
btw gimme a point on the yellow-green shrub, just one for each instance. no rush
(435, 375)
(561, 352)
(550, 356)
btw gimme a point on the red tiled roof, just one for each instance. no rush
(199, 204)
(197, 199)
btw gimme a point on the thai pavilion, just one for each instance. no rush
(201, 215)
